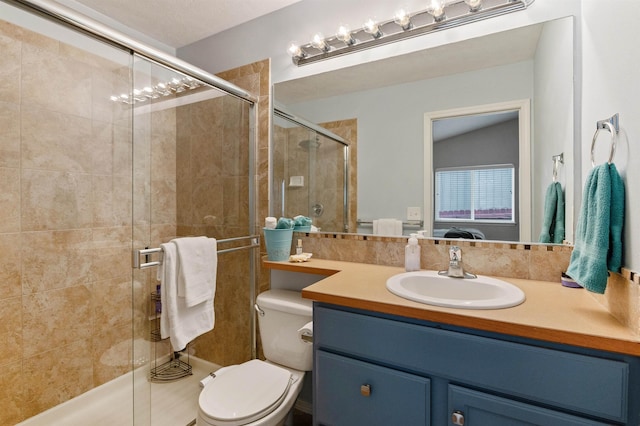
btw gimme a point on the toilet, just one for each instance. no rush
(262, 393)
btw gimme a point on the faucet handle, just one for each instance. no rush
(455, 254)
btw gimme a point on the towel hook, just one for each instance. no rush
(557, 160)
(611, 125)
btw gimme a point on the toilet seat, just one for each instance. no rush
(244, 393)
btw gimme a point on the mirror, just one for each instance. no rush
(471, 158)
(391, 100)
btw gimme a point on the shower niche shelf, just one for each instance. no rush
(175, 368)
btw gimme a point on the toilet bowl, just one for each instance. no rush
(262, 393)
(255, 393)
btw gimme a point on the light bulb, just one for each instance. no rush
(295, 51)
(403, 19)
(319, 42)
(436, 9)
(474, 5)
(371, 27)
(344, 35)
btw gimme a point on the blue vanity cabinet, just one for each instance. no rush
(352, 392)
(473, 408)
(376, 369)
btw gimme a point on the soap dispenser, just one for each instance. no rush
(412, 254)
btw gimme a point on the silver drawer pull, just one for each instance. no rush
(365, 390)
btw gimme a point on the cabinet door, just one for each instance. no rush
(472, 408)
(351, 392)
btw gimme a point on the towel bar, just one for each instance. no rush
(137, 254)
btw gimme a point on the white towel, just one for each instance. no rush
(389, 227)
(197, 267)
(179, 322)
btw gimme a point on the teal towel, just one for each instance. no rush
(284, 223)
(558, 226)
(614, 259)
(553, 219)
(302, 221)
(598, 245)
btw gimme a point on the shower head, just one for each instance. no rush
(309, 144)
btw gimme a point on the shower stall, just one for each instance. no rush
(109, 147)
(311, 169)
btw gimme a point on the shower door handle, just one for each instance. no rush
(282, 185)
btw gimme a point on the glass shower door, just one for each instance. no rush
(192, 168)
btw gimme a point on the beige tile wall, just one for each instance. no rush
(348, 130)
(66, 216)
(65, 221)
(213, 200)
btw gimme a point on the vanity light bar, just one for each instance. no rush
(439, 15)
(168, 88)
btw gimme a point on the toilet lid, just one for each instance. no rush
(245, 393)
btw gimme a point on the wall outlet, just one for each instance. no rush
(414, 213)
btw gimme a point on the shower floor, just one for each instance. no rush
(172, 404)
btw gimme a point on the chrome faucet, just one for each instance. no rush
(455, 265)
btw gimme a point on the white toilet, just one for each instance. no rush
(261, 393)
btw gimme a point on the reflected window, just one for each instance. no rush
(475, 194)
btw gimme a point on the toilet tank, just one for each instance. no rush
(285, 312)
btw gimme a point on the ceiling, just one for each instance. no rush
(177, 23)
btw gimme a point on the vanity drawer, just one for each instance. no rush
(350, 392)
(586, 384)
(480, 409)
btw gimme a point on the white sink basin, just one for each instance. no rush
(466, 293)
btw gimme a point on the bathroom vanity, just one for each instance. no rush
(558, 359)
(373, 369)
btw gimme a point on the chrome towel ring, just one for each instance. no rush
(612, 126)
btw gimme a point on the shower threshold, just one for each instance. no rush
(171, 403)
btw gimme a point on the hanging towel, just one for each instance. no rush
(197, 267)
(614, 260)
(179, 322)
(598, 245)
(389, 227)
(553, 219)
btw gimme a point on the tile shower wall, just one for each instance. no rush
(66, 217)
(213, 179)
(65, 222)
(213, 194)
(348, 130)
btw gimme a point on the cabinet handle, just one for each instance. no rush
(365, 390)
(457, 417)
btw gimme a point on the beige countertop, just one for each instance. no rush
(550, 312)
